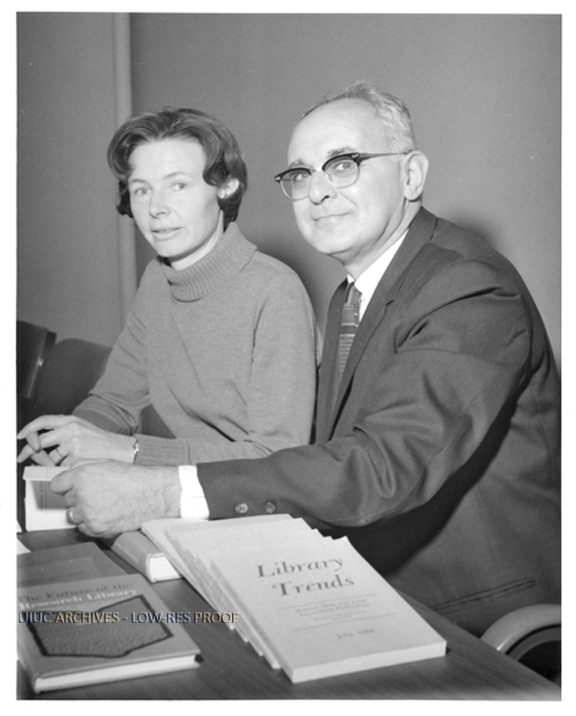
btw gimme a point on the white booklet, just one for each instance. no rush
(322, 610)
(44, 509)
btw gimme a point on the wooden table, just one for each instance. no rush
(231, 669)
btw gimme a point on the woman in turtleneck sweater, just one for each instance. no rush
(220, 339)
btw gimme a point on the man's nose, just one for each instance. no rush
(320, 187)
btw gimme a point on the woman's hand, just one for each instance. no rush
(70, 439)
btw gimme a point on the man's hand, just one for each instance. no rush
(105, 498)
(71, 439)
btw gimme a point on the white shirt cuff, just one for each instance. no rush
(193, 504)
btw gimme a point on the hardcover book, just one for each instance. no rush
(65, 564)
(144, 555)
(92, 631)
(155, 530)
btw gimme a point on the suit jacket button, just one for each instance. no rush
(241, 508)
(270, 507)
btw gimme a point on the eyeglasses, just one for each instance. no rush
(341, 171)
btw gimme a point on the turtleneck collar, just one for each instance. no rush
(230, 254)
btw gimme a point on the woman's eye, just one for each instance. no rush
(139, 191)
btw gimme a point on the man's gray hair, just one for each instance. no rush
(389, 108)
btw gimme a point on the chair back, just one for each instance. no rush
(532, 635)
(33, 343)
(70, 371)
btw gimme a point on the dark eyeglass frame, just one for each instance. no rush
(356, 157)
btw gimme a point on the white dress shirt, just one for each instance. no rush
(367, 282)
(193, 503)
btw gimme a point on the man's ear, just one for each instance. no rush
(228, 188)
(416, 170)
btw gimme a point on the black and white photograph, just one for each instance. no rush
(291, 355)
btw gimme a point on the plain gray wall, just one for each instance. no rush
(484, 92)
(68, 277)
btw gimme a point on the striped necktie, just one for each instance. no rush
(348, 324)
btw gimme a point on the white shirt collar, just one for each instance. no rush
(367, 282)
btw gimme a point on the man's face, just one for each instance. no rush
(356, 223)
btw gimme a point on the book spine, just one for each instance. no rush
(133, 552)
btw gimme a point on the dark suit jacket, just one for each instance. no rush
(438, 453)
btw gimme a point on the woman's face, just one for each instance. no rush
(174, 208)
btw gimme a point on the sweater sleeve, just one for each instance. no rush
(281, 394)
(118, 398)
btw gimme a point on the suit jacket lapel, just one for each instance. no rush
(419, 234)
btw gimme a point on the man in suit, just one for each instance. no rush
(437, 438)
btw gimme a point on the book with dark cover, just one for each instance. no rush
(65, 564)
(91, 631)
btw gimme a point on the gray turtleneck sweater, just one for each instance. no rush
(225, 352)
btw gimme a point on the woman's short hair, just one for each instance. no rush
(223, 158)
(390, 110)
